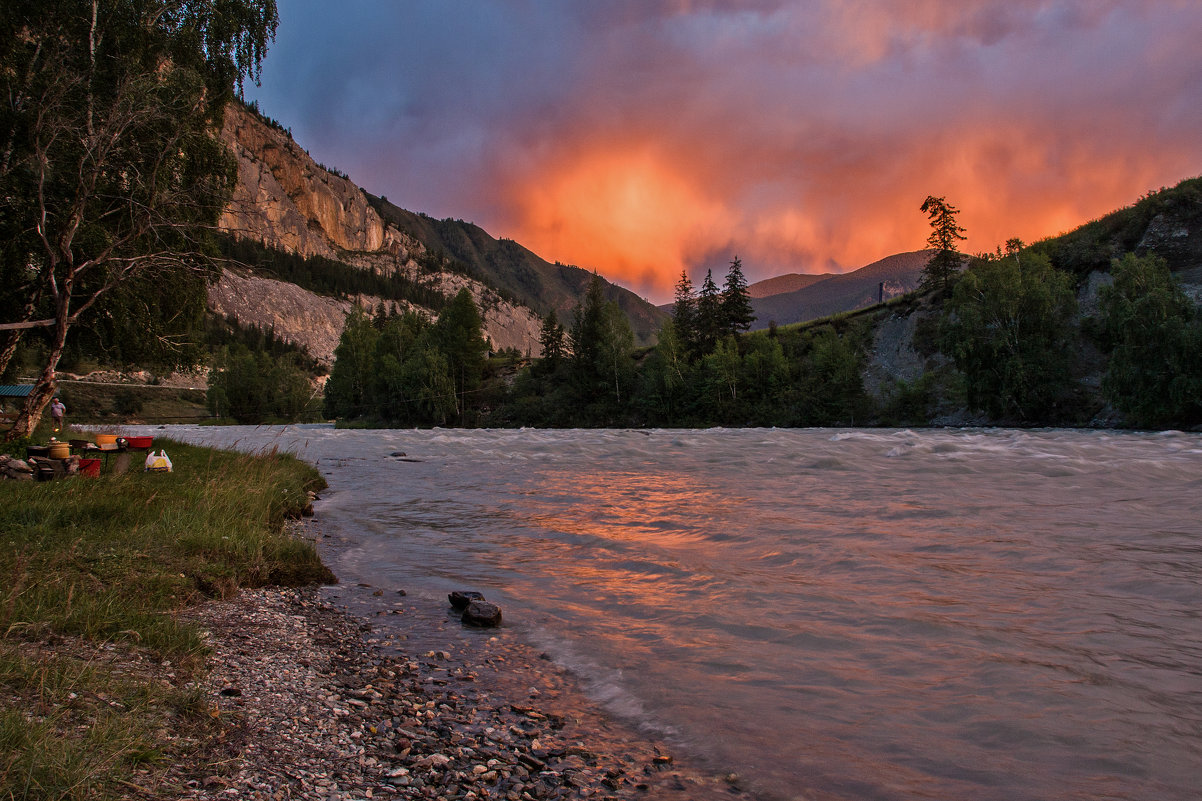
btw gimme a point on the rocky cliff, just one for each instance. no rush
(295, 314)
(286, 201)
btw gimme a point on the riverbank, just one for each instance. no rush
(312, 705)
(97, 669)
(149, 649)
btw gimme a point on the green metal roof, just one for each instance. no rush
(15, 390)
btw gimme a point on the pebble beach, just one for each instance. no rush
(315, 703)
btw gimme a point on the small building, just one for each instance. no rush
(12, 395)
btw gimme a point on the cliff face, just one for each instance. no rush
(296, 315)
(288, 202)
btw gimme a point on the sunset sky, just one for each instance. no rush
(638, 137)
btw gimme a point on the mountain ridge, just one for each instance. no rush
(287, 202)
(537, 283)
(788, 282)
(833, 294)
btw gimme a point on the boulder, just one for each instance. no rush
(482, 614)
(461, 598)
(12, 467)
(15, 464)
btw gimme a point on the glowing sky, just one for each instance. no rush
(638, 137)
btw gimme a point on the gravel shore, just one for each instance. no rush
(316, 702)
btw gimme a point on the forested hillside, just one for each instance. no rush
(1071, 331)
(518, 272)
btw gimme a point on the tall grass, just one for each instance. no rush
(100, 565)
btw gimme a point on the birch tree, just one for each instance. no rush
(110, 163)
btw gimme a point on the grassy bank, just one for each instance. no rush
(95, 668)
(118, 403)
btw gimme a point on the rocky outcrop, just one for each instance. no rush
(286, 201)
(1174, 237)
(296, 315)
(893, 357)
(316, 322)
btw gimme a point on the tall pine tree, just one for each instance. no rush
(946, 261)
(349, 388)
(736, 300)
(684, 312)
(459, 335)
(601, 346)
(710, 319)
(551, 337)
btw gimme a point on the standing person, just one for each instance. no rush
(57, 410)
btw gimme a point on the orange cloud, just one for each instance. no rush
(639, 214)
(627, 210)
(640, 138)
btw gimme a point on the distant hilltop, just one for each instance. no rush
(800, 297)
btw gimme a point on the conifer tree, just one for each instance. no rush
(458, 334)
(601, 345)
(402, 337)
(684, 312)
(586, 332)
(736, 300)
(710, 321)
(550, 338)
(945, 262)
(348, 389)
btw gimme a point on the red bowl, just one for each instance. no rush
(139, 442)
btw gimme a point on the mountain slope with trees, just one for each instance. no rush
(525, 276)
(1007, 338)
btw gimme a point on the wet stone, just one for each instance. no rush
(482, 614)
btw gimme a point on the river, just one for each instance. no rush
(982, 615)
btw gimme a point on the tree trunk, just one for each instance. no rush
(8, 349)
(35, 404)
(44, 388)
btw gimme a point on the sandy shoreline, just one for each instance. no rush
(316, 701)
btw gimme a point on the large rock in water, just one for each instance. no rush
(482, 614)
(461, 598)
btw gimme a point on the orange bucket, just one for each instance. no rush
(106, 439)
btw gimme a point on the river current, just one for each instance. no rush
(983, 615)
